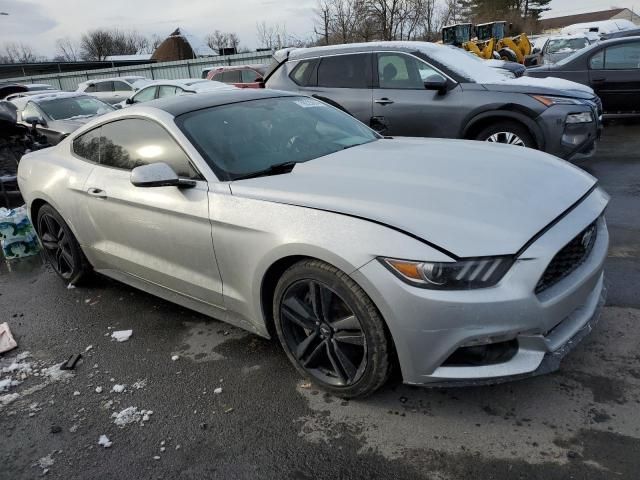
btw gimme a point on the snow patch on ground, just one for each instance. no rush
(7, 383)
(104, 441)
(122, 335)
(8, 398)
(131, 415)
(140, 384)
(118, 388)
(54, 373)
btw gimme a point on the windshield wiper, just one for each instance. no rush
(277, 169)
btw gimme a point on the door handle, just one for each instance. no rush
(97, 192)
(598, 80)
(383, 101)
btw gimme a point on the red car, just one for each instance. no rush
(241, 76)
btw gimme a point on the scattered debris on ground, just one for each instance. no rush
(217, 390)
(7, 342)
(98, 389)
(70, 364)
(175, 357)
(131, 415)
(121, 335)
(118, 388)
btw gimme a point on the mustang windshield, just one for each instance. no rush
(243, 138)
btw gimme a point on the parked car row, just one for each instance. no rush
(424, 89)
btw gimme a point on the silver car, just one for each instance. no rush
(111, 90)
(460, 261)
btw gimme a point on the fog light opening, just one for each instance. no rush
(482, 355)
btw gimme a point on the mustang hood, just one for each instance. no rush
(469, 198)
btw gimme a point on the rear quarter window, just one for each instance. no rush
(301, 73)
(87, 145)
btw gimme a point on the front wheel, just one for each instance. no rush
(509, 133)
(331, 330)
(60, 246)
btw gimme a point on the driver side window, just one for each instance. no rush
(145, 95)
(31, 111)
(399, 71)
(130, 143)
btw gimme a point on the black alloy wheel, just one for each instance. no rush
(323, 333)
(331, 330)
(60, 246)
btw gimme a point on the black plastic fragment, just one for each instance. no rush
(71, 363)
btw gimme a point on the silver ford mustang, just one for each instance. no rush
(459, 261)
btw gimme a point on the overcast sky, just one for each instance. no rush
(40, 22)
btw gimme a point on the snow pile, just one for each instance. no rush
(131, 415)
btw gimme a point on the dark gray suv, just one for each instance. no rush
(427, 90)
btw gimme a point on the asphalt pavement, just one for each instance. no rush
(212, 401)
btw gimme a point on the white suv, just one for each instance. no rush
(110, 90)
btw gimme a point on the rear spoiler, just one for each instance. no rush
(279, 57)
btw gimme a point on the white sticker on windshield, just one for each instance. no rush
(309, 103)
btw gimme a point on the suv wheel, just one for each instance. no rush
(507, 132)
(331, 330)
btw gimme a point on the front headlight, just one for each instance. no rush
(584, 117)
(549, 101)
(461, 275)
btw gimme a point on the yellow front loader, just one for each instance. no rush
(514, 49)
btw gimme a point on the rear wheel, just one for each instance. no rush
(331, 330)
(510, 133)
(508, 55)
(60, 246)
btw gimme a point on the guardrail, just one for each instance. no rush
(166, 70)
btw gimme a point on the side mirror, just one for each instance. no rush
(33, 121)
(158, 175)
(536, 50)
(259, 80)
(129, 101)
(436, 82)
(117, 106)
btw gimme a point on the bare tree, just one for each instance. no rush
(101, 43)
(217, 40)
(18, 52)
(234, 41)
(273, 37)
(66, 50)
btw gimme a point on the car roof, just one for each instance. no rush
(125, 78)
(181, 104)
(45, 97)
(406, 46)
(253, 66)
(181, 82)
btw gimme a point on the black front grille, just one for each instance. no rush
(569, 258)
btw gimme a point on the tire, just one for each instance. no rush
(347, 350)
(508, 55)
(61, 248)
(511, 133)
